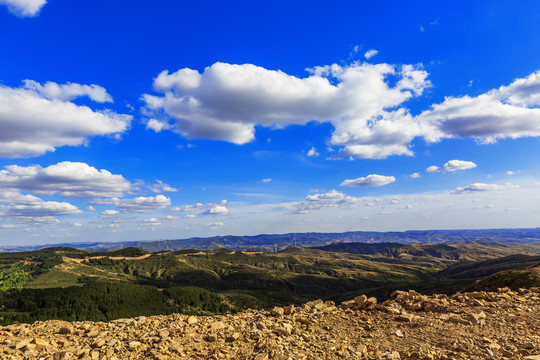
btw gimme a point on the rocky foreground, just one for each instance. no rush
(478, 325)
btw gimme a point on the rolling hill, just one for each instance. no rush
(226, 279)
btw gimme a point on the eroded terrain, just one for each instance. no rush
(477, 325)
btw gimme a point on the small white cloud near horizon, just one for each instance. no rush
(312, 152)
(509, 172)
(479, 187)
(370, 53)
(370, 180)
(415, 175)
(452, 165)
(198, 206)
(265, 181)
(110, 212)
(217, 210)
(331, 198)
(24, 8)
(139, 204)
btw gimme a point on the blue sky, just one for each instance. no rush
(171, 119)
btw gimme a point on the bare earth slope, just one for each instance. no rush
(477, 325)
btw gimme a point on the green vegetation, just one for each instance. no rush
(103, 301)
(14, 280)
(71, 284)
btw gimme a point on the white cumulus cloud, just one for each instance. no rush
(33, 124)
(507, 112)
(312, 152)
(452, 165)
(139, 204)
(69, 179)
(370, 180)
(15, 206)
(217, 210)
(157, 125)
(332, 198)
(24, 8)
(226, 102)
(415, 175)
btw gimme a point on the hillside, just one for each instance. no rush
(51, 283)
(475, 250)
(478, 325)
(513, 279)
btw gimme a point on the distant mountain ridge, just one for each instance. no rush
(452, 250)
(277, 242)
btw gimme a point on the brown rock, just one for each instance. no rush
(61, 355)
(348, 304)
(405, 317)
(288, 310)
(22, 344)
(217, 326)
(277, 311)
(66, 330)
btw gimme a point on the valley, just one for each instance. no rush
(223, 280)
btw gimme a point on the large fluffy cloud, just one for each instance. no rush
(452, 165)
(507, 112)
(370, 180)
(227, 101)
(69, 179)
(15, 206)
(364, 103)
(139, 204)
(24, 8)
(38, 118)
